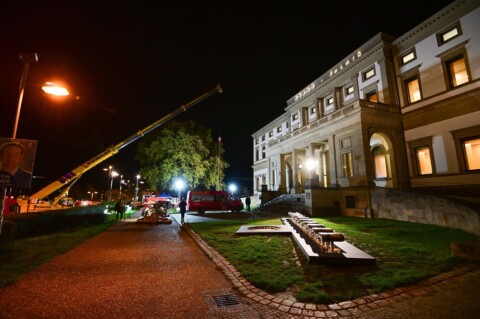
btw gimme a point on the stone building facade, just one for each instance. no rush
(396, 113)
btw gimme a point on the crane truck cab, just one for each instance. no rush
(10, 205)
(202, 200)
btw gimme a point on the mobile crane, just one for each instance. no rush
(71, 177)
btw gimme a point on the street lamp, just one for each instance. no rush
(109, 170)
(112, 175)
(232, 188)
(91, 195)
(179, 185)
(120, 187)
(218, 163)
(27, 58)
(136, 189)
(49, 87)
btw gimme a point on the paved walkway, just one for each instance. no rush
(137, 270)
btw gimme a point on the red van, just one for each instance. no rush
(201, 201)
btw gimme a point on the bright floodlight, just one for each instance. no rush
(310, 164)
(115, 174)
(179, 184)
(54, 89)
(232, 188)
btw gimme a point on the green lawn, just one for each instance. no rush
(405, 252)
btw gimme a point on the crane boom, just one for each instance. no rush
(76, 173)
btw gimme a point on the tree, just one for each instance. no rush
(181, 149)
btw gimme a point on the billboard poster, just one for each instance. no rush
(17, 157)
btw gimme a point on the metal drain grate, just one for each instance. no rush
(227, 300)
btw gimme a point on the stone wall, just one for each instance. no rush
(426, 209)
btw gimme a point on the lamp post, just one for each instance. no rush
(136, 189)
(120, 187)
(179, 185)
(109, 170)
(218, 163)
(112, 175)
(91, 195)
(27, 58)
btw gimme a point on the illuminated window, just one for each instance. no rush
(424, 162)
(449, 34)
(372, 96)
(313, 110)
(380, 166)
(471, 149)
(412, 86)
(347, 164)
(330, 101)
(279, 129)
(270, 134)
(368, 74)
(349, 90)
(263, 152)
(421, 156)
(457, 71)
(295, 117)
(380, 162)
(408, 57)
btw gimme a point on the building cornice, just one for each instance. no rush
(438, 21)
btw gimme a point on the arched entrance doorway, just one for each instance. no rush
(383, 160)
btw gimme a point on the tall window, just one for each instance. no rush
(467, 147)
(274, 178)
(412, 85)
(380, 162)
(372, 96)
(347, 164)
(424, 162)
(421, 156)
(457, 71)
(471, 148)
(263, 152)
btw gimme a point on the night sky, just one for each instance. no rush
(129, 63)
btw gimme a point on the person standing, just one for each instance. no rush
(247, 203)
(183, 209)
(119, 207)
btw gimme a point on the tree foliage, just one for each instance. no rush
(181, 149)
